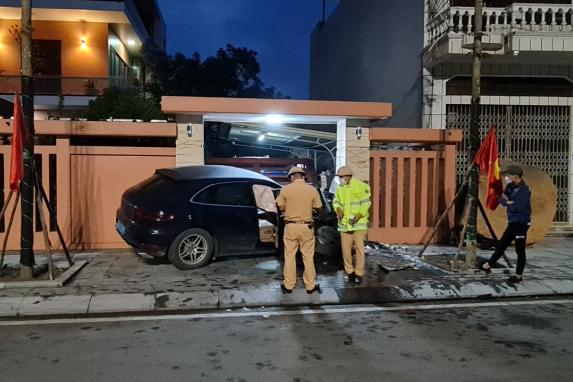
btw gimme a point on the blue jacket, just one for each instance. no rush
(520, 210)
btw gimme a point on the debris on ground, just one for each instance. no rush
(390, 258)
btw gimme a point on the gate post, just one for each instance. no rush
(190, 144)
(353, 148)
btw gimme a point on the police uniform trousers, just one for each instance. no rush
(299, 236)
(356, 239)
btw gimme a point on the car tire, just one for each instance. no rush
(191, 249)
(327, 241)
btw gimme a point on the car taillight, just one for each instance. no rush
(160, 216)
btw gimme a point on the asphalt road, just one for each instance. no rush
(530, 341)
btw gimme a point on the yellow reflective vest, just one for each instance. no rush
(353, 199)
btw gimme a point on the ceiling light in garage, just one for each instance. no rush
(274, 119)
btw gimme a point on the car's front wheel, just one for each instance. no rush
(191, 249)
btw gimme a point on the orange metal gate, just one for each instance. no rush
(85, 183)
(411, 188)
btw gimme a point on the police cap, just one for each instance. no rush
(296, 170)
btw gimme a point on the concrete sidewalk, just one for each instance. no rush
(114, 283)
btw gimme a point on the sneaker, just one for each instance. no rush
(285, 290)
(357, 280)
(315, 289)
(514, 279)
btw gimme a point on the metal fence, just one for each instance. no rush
(535, 136)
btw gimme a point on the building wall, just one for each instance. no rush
(371, 50)
(91, 61)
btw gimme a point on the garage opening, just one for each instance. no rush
(272, 146)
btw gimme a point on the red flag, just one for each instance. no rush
(17, 162)
(487, 159)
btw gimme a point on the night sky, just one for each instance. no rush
(279, 30)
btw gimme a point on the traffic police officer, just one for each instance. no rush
(517, 199)
(297, 200)
(352, 206)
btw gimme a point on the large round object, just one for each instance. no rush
(543, 205)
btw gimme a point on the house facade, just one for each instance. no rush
(527, 75)
(80, 48)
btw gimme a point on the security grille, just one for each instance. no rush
(531, 135)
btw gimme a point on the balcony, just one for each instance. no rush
(65, 86)
(533, 29)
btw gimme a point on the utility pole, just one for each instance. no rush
(474, 138)
(27, 260)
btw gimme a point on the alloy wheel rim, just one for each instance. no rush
(193, 249)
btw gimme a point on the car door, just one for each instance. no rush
(267, 218)
(228, 212)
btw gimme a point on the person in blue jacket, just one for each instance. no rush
(517, 198)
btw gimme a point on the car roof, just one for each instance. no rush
(212, 172)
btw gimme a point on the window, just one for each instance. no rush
(227, 194)
(119, 71)
(47, 66)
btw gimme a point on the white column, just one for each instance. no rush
(341, 143)
(427, 80)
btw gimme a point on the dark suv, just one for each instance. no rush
(193, 214)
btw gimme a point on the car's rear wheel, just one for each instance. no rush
(191, 249)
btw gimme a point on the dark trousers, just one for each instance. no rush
(517, 232)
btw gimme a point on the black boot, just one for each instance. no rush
(351, 278)
(285, 290)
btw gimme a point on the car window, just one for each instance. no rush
(227, 194)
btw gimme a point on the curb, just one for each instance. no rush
(155, 303)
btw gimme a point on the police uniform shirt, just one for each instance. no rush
(298, 199)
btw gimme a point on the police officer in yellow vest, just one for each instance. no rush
(352, 206)
(297, 200)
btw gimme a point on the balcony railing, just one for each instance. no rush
(517, 17)
(66, 86)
